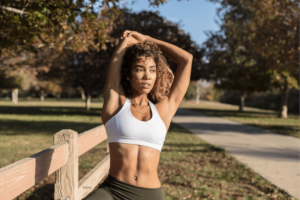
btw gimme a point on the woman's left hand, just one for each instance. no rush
(140, 37)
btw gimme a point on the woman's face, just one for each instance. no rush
(143, 73)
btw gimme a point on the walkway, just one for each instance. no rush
(275, 157)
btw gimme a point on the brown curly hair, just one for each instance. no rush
(164, 75)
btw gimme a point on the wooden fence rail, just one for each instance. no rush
(61, 158)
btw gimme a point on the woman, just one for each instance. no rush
(136, 127)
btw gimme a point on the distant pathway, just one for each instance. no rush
(275, 157)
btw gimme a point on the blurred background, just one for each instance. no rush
(53, 62)
(245, 52)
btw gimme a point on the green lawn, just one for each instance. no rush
(264, 119)
(189, 168)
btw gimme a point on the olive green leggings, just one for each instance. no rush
(113, 189)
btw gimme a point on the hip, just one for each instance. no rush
(119, 190)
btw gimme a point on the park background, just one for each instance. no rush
(54, 58)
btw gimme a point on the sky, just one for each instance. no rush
(195, 16)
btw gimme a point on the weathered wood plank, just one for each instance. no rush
(89, 139)
(23, 174)
(91, 180)
(66, 184)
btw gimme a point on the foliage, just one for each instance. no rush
(270, 100)
(88, 69)
(191, 92)
(8, 81)
(257, 46)
(156, 26)
(214, 94)
(231, 58)
(48, 28)
(75, 25)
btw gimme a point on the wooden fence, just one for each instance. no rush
(61, 158)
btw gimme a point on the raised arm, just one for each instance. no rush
(113, 90)
(183, 59)
(113, 77)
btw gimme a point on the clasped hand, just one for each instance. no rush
(132, 37)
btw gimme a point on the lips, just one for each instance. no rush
(145, 85)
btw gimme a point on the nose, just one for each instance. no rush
(147, 75)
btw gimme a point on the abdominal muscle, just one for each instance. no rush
(134, 164)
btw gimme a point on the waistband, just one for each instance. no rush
(113, 181)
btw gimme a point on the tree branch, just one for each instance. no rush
(21, 12)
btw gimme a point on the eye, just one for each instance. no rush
(153, 70)
(139, 70)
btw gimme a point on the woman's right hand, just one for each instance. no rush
(140, 37)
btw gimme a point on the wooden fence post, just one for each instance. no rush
(66, 184)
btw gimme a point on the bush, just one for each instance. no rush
(230, 97)
(214, 95)
(191, 92)
(269, 100)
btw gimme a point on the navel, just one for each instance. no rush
(135, 178)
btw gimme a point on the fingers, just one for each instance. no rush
(126, 33)
(130, 37)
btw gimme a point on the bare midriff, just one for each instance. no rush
(134, 164)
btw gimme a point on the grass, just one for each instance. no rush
(189, 168)
(265, 119)
(192, 169)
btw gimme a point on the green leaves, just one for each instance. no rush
(268, 32)
(44, 21)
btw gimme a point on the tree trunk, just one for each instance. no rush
(88, 101)
(57, 96)
(14, 96)
(283, 109)
(82, 94)
(101, 97)
(242, 101)
(198, 92)
(42, 98)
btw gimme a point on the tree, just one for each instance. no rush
(28, 24)
(87, 70)
(276, 40)
(63, 26)
(10, 79)
(266, 34)
(233, 69)
(154, 25)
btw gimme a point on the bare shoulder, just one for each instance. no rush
(163, 109)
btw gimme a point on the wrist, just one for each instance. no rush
(147, 38)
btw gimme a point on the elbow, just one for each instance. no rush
(190, 58)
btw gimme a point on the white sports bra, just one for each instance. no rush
(125, 128)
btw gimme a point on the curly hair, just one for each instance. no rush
(164, 75)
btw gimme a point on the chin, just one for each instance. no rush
(145, 91)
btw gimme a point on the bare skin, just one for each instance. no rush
(135, 164)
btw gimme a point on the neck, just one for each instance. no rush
(140, 100)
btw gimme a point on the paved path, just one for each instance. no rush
(275, 157)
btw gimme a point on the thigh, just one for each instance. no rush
(99, 194)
